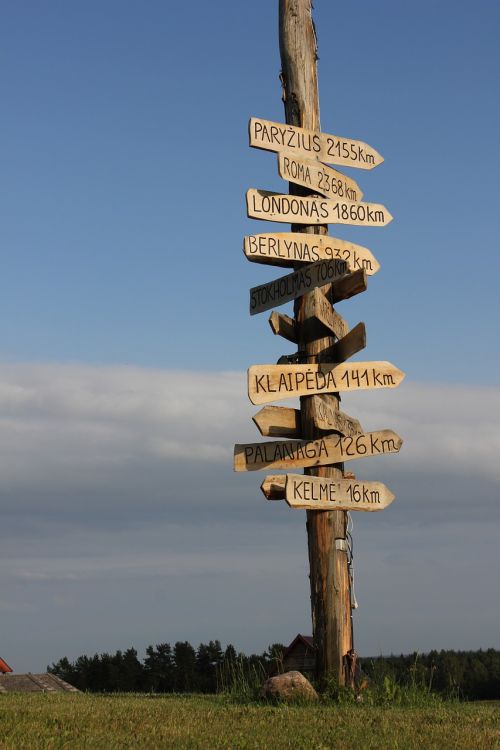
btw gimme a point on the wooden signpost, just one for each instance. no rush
(290, 248)
(276, 136)
(262, 204)
(325, 270)
(318, 177)
(274, 382)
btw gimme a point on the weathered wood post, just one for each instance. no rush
(326, 530)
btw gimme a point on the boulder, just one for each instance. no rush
(289, 686)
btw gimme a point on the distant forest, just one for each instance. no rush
(472, 675)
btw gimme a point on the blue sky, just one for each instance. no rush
(124, 309)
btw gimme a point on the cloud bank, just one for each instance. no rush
(123, 522)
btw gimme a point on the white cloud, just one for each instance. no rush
(59, 423)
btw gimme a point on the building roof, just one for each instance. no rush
(306, 640)
(4, 667)
(34, 683)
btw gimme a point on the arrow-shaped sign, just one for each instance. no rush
(293, 285)
(294, 454)
(332, 149)
(289, 248)
(278, 421)
(318, 493)
(274, 382)
(263, 204)
(319, 178)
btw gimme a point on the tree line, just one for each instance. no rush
(473, 675)
(181, 669)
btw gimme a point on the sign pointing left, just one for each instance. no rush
(293, 285)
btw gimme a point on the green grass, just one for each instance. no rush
(60, 721)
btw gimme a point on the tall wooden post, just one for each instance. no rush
(326, 530)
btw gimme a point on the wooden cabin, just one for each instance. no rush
(300, 655)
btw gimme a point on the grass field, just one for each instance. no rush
(31, 722)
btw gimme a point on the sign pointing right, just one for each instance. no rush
(318, 493)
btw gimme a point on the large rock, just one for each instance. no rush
(289, 686)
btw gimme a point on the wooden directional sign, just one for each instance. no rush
(293, 285)
(289, 248)
(278, 421)
(346, 347)
(319, 178)
(317, 493)
(276, 136)
(274, 382)
(318, 307)
(347, 286)
(274, 486)
(263, 204)
(325, 417)
(294, 454)
(283, 325)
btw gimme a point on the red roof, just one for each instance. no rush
(4, 667)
